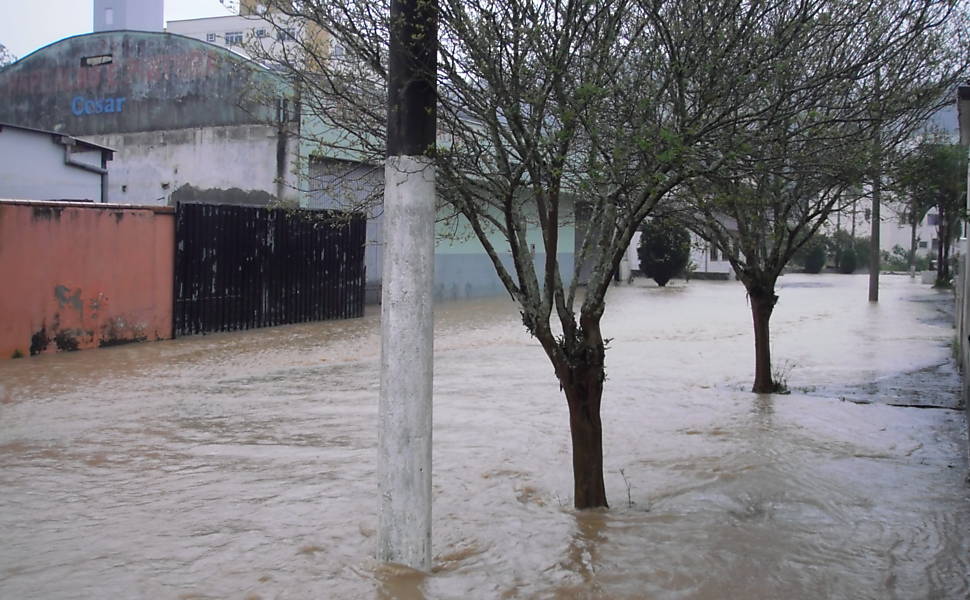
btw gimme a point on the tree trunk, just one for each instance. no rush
(912, 246)
(946, 262)
(584, 393)
(940, 259)
(579, 363)
(762, 305)
(875, 255)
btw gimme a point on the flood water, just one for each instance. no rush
(243, 465)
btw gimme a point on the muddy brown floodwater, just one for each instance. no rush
(243, 465)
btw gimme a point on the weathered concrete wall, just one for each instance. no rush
(121, 82)
(80, 276)
(346, 185)
(32, 167)
(178, 111)
(151, 167)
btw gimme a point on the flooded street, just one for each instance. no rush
(243, 465)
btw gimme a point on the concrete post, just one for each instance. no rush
(404, 439)
(406, 363)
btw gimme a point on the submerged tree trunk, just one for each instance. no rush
(912, 246)
(584, 394)
(579, 364)
(762, 305)
(943, 259)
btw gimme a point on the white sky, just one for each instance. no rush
(27, 25)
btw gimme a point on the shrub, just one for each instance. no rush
(801, 256)
(899, 260)
(815, 257)
(847, 262)
(664, 249)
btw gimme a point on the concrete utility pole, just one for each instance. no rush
(404, 436)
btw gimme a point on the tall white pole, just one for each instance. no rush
(404, 437)
(404, 532)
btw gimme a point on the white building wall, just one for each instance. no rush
(150, 166)
(343, 185)
(134, 15)
(707, 260)
(32, 168)
(239, 33)
(895, 231)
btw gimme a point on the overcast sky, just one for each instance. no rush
(31, 24)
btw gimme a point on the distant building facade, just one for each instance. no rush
(44, 165)
(254, 32)
(181, 114)
(134, 15)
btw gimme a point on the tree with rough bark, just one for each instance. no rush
(601, 109)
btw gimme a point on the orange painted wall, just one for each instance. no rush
(76, 276)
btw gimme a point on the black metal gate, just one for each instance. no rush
(240, 267)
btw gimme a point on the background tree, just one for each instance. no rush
(813, 254)
(911, 206)
(664, 249)
(935, 175)
(847, 260)
(790, 170)
(6, 56)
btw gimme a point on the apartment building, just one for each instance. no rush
(254, 32)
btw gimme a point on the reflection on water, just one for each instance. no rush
(242, 465)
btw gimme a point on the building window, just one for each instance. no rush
(286, 34)
(260, 33)
(96, 61)
(922, 244)
(936, 244)
(932, 219)
(109, 16)
(338, 50)
(714, 252)
(234, 38)
(211, 38)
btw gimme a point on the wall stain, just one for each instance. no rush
(66, 298)
(66, 340)
(46, 213)
(117, 332)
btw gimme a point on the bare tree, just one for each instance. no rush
(859, 97)
(551, 108)
(763, 207)
(935, 175)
